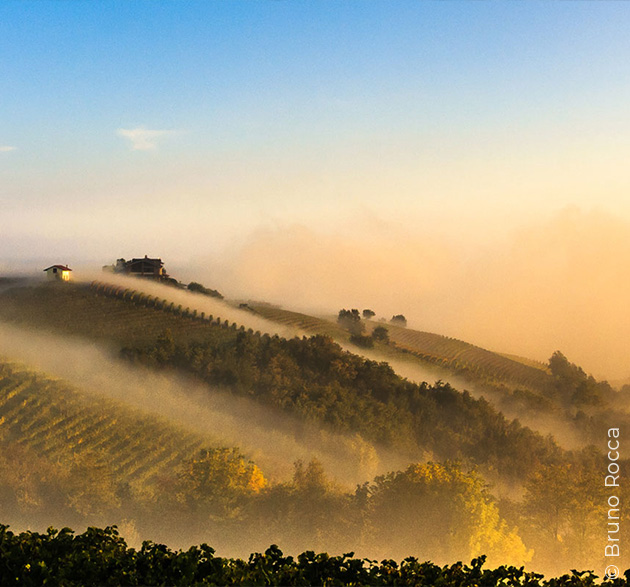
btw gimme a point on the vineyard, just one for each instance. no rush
(48, 417)
(303, 322)
(105, 312)
(467, 358)
(441, 351)
(101, 557)
(127, 316)
(87, 459)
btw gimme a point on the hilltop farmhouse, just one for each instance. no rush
(142, 267)
(58, 272)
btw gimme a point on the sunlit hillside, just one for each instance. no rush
(322, 412)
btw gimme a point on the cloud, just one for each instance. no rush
(6, 148)
(143, 139)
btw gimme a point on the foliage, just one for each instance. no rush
(565, 507)
(381, 334)
(362, 340)
(574, 387)
(87, 459)
(215, 479)
(453, 515)
(351, 321)
(102, 557)
(198, 288)
(399, 319)
(368, 314)
(57, 454)
(314, 378)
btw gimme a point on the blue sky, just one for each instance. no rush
(224, 116)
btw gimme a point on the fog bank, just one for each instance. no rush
(272, 439)
(561, 284)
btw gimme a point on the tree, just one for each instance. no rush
(380, 334)
(198, 288)
(351, 321)
(310, 511)
(399, 319)
(362, 340)
(562, 510)
(438, 511)
(215, 480)
(574, 386)
(368, 314)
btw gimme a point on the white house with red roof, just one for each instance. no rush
(60, 272)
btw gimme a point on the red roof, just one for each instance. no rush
(62, 267)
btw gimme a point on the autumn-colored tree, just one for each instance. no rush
(564, 513)
(310, 511)
(437, 511)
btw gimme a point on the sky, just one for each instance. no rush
(236, 134)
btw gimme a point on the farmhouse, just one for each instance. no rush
(60, 272)
(148, 268)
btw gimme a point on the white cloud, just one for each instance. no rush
(6, 148)
(143, 139)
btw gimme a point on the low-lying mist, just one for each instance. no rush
(271, 439)
(562, 284)
(406, 367)
(202, 303)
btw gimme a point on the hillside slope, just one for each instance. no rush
(49, 417)
(127, 317)
(77, 309)
(447, 354)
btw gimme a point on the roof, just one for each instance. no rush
(145, 260)
(62, 267)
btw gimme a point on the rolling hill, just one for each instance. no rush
(449, 355)
(123, 316)
(89, 459)
(55, 421)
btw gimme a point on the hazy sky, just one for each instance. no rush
(178, 129)
(158, 123)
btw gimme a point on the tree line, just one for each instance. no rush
(316, 379)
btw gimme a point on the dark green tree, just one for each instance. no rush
(381, 334)
(198, 288)
(351, 321)
(399, 319)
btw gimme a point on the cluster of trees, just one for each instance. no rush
(86, 489)
(570, 396)
(316, 380)
(351, 321)
(198, 288)
(436, 511)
